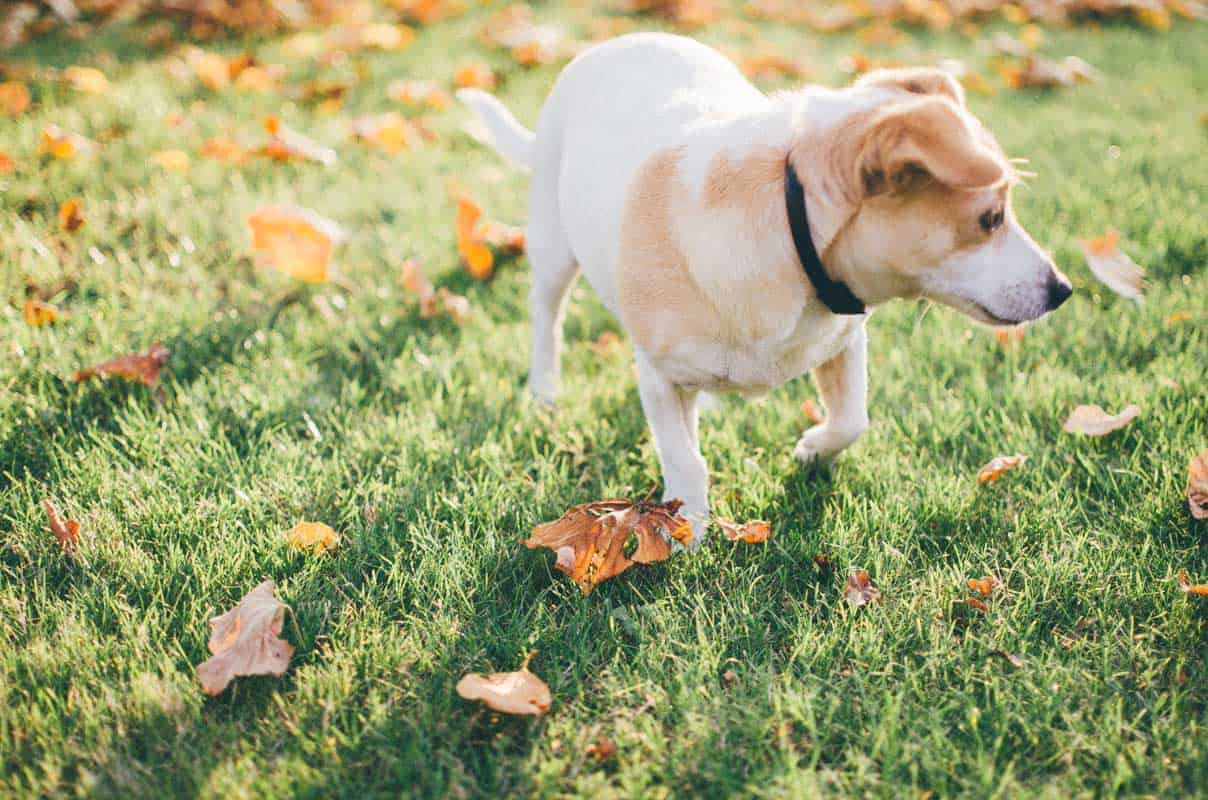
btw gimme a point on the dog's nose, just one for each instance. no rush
(1059, 290)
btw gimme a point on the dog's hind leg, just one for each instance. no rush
(554, 270)
(843, 384)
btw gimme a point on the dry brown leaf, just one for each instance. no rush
(997, 466)
(811, 411)
(590, 539)
(37, 312)
(66, 531)
(519, 692)
(245, 641)
(425, 12)
(1197, 486)
(1011, 658)
(1092, 420)
(978, 604)
(528, 43)
(294, 240)
(1041, 73)
(14, 98)
(757, 530)
(141, 367)
(1112, 267)
(313, 536)
(859, 590)
(475, 255)
(1191, 588)
(71, 215)
(983, 585)
(602, 749)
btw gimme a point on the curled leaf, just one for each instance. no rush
(246, 641)
(1191, 588)
(983, 585)
(141, 367)
(591, 539)
(752, 532)
(313, 536)
(1114, 268)
(519, 692)
(859, 590)
(285, 144)
(1197, 486)
(476, 256)
(66, 531)
(1092, 420)
(997, 466)
(294, 240)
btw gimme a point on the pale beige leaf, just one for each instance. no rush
(293, 240)
(1094, 421)
(997, 466)
(519, 692)
(245, 641)
(1114, 268)
(859, 590)
(757, 530)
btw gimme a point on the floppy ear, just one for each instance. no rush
(917, 80)
(925, 138)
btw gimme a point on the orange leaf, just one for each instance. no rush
(519, 692)
(62, 145)
(141, 367)
(590, 539)
(751, 532)
(417, 92)
(1191, 588)
(1094, 421)
(390, 132)
(38, 313)
(1197, 486)
(1115, 269)
(295, 241)
(172, 160)
(224, 149)
(474, 74)
(66, 531)
(6, 162)
(71, 216)
(997, 466)
(14, 98)
(978, 604)
(477, 256)
(603, 749)
(286, 145)
(246, 641)
(313, 536)
(86, 79)
(860, 591)
(983, 585)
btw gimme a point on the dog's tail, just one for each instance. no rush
(510, 139)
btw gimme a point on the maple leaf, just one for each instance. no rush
(1197, 486)
(859, 590)
(590, 539)
(141, 367)
(246, 641)
(752, 532)
(66, 531)
(1092, 420)
(997, 466)
(294, 240)
(313, 536)
(1114, 268)
(519, 692)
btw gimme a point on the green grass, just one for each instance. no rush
(413, 438)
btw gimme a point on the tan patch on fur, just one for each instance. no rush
(661, 305)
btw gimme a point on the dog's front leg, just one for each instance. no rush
(671, 413)
(843, 384)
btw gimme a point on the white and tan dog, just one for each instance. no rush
(682, 192)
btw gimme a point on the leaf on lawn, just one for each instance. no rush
(997, 466)
(225, 149)
(591, 539)
(1010, 658)
(6, 162)
(141, 367)
(1197, 486)
(294, 240)
(66, 531)
(859, 590)
(473, 74)
(768, 66)
(245, 641)
(390, 132)
(425, 12)
(287, 145)
(371, 36)
(86, 79)
(1094, 421)
(983, 585)
(37, 312)
(411, 92)
(1041, 73)
(1191, 588)
(431, 299)
(172, 160)
(601, 749)
(14, 98)
(71, 215)
(313, 536)
(811, 411)
(1112, 267)
(63, 145)
(519, 692)
(528, 43)
(473, 238)
(974, 602)
(607, 344)
(757, 530)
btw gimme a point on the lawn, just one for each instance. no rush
(413, 438)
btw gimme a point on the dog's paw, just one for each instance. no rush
(543, 393)
(700, 531)
(815, 448)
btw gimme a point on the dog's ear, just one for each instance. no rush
(910, 143)
(917, 80)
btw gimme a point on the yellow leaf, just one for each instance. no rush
(38, 313)
(313, 536)
(172, 160)
(63, 145)
(86, 79)
(295, 241)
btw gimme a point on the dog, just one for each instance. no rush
(741, 238)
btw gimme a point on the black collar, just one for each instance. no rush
(835, 295)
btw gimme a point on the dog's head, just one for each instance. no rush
(917, 199)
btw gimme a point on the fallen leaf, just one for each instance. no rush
(419, 93)
(37, 312)
(14, 98)
(1094, 421)
(313, 536)
(519, 692)
(978, 604)
(455, 305)
(997, 466)
(1114, 268)
(66, 531)
(475, 255)
(751, 532)
(983, 585)
(1041, 73)
(390, 132)
(1191, 588)
(474, 74)
(71, 215)
(1008, 336)
(1197, 486)
(771, 66)
(528, 43)
(426, 12)
(286, 145)
(590, 539)
(602, 749)
(372, 36)
(1011, 658)
(860, 591)
(811, 411)
(293, 240)
(141, 367)
(6, 162)
(224, 149)
(86, 79)
(172, 160)
(62, 145)
(246, 641)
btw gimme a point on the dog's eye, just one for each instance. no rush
(990, 220)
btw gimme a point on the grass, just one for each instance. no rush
(413, 438)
